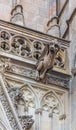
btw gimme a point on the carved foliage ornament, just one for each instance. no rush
(50, 103)
(20, 46)
(22, 100)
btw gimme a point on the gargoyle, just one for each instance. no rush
(47, 62)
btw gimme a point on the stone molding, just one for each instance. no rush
(68, 21)
(63, 8)
(51, 78)
(31, 33)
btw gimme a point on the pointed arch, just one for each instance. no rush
(56, 97)
(30, 88)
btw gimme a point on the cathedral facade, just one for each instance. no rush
(37, 65)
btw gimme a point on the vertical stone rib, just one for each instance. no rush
(10, 103)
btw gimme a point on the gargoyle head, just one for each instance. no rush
(52, 50)
(56, 48)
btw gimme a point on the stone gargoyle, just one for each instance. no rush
(47, 62)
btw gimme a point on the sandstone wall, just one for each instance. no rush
(36, 13)
(5, 9)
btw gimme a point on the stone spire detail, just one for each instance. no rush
(17, 16)
(53, 27)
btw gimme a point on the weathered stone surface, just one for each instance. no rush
(18, 64)
(25, 99)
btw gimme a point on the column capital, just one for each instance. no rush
(62, 117)
(39, 110)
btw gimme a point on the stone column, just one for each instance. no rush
(73, 98)
(38, 114)
(52, 25)
(62, 121)
(51, 122)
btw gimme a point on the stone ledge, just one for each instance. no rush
(34, 33)
(54, 78)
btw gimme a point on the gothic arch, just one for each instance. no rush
(21, 37)
(30, 88)
(57, 99)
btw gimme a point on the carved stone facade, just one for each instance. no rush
(37, 69)
(30, 103)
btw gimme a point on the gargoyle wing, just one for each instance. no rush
(45, 51)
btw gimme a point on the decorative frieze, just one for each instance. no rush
(52, 77)
(31, 48)
(31, 73)
(59, 80)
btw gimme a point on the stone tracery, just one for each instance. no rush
(50, 103)
(24, 100)
(28, 48)
(20, 46)
(21, 105)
